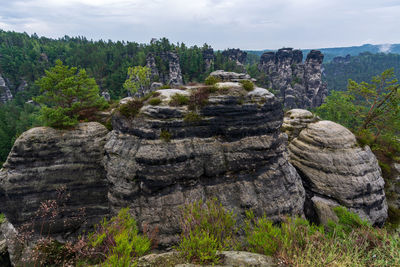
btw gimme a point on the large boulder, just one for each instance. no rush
(231, 149)
(53, 182)
(333, 166)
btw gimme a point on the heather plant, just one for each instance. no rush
(131, 108)
(118, 241)
(198, 98)
(206, 228)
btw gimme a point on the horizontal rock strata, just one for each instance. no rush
(55, 178)
(233, 151)
(333, 166)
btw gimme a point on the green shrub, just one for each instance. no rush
(165, 136)
(179, 100)
(211, 80)
(166, 86)
(118, 240)
(347, 222)
(2, 218)
(247, 85)
(206, 224)
(155, 101)
(262, 237)
(200, 247)
(192, 117)
(131, 108)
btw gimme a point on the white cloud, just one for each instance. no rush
(251, 24)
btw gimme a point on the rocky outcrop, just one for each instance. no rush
(235, 55)
(174, 75)
(53, 181)
(296, 120)
(208, 57)
(232, 149)
(151, 64)
(299, 84)
(227, 259)
(5, 93)
(227, 76)
(334, 167)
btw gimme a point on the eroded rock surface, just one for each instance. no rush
(227, 76)
(227, 258)
(55, 178)
(333, 166)
(5, 93)
(296, 120)
(299, 84)
(233, 151)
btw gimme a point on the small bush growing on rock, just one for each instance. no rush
(118, 241)
(198, 98)
(211, 80)
(166, 86)
(165, 136)
(131, 109)
(192, 117)
(2, 218)
(179, 100)
(206, 228)
(247, 85)
(155, 101)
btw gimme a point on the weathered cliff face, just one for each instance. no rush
(174, 75)
(233, 151)
(227, 76)
(336, 171)
(299, 84)
(295, 120)
(5, 93)
(208, 56)
(236, 55)
(54, 178)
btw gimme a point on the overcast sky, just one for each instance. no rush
(245, 24)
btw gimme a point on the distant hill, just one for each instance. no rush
(333, 52)
(359, 68)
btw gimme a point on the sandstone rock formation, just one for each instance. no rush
(228, 259)
(174, 75)
(227, 76)
(235, 55)
(334, 167)
(5, 93)
(53, 181)
(299, 84)
(208, 56)
(233, 150)
(296, 120)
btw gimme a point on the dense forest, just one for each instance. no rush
(359, 68)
